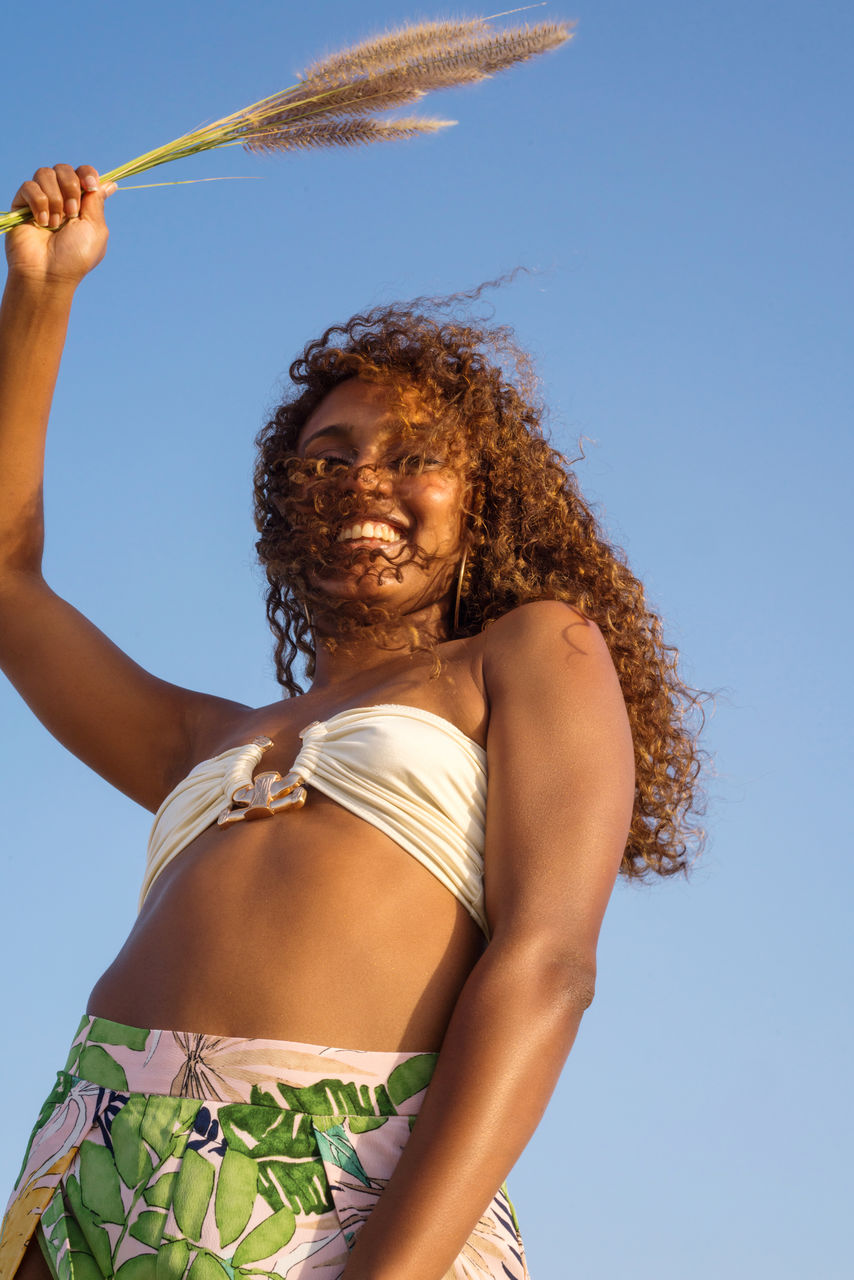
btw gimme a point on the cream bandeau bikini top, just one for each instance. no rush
(412, 774)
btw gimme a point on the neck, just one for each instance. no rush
(344, 661)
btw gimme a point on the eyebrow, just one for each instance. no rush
(343, 429)
(334, 429)
(338, 429)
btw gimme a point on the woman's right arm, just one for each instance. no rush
(139, 732)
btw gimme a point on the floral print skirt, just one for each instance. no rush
(165, 1155)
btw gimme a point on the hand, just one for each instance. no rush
(68, 235)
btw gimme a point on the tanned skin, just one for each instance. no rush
(537, 689)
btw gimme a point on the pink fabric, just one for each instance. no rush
(164, 1154)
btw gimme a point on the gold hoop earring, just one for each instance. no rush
(307, 617)
(459, 591)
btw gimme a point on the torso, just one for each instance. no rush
(312, 926)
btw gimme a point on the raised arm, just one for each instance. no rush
(137, 731)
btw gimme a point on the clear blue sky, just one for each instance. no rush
(680, 178)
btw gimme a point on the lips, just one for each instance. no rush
(376, 531)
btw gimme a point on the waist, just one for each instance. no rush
(346, 943)
(296, 1076)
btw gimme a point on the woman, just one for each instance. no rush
(429, 555)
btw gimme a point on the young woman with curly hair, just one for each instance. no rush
(463, 623)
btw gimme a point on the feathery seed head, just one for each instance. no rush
(341, 133)
(339, 96)
(379, 53)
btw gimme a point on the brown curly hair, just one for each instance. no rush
(531, 536)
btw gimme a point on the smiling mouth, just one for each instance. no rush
(371, 533)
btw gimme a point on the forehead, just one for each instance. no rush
(363, 409)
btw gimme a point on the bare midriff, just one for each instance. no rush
(311, 925)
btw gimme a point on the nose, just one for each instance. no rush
(368, 477)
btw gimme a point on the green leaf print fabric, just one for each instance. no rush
(270, 1171)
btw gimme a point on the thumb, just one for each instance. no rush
(92, 203)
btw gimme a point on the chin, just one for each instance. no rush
(353, 587)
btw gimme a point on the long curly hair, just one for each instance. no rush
(530, 534)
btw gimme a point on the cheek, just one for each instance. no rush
(439, 504)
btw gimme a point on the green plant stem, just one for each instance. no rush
(467, 57)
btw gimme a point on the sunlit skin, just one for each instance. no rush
(354, 427)
(403, 1001)
(314, 926)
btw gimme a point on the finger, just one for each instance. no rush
(69, 188)
(49, 183)
(92, 203)
(88, 176)
(90, 182)
(32, 195)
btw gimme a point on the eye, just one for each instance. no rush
(412, 463)
(329, 461)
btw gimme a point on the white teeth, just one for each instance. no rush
(370, 529)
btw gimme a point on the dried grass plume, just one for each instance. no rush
(338, 98)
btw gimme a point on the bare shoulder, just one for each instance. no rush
(561, 777)
(541, 641)
(213, 721)
(198, 722)
(215, 717)
(550, 682)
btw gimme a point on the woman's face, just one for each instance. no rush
(400, 509)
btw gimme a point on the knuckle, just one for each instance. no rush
(65, 173)
(33, 193)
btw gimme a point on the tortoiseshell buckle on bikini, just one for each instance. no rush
(266, 795)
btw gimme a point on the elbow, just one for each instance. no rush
(577, 981)
(567, 984)
(563, 979)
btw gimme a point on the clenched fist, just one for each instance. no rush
(68, 234)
